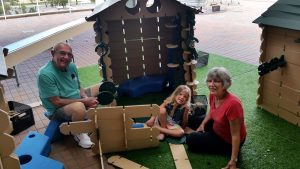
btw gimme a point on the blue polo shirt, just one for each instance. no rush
(53, 82)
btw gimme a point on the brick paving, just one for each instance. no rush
(229, 33)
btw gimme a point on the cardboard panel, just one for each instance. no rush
(269, 99)
(135, 67)
(151, 56)
(121, 162)
(132, 29)
(270, 30)
(77, 127)
(11, 162)
(114, 26)
(110, 113)
(113, 147)
(5, 125)
(3, 103)
(290, 93)
(290, 44)
(289, 105)
(274, 41)
(141, 110)
(118, 67)
(273, 52)
(8, 141)
(116, 124)
(135, 46)
(150, 28)
(180, 157)
(112, 136)
(288, 116)
(117, 47)
(292, 57)
(275, 75)
(116, 37)
(141, 134)
(269, 108)
(291, 76)
(270, 86)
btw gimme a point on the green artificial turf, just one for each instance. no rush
(89, 75)
(271, 143)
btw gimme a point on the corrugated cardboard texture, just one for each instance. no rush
(137, 36)
(279, 90)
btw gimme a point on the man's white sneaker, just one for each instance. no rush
(83, 140)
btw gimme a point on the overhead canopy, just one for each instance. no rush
(31, 46)
(284, 13)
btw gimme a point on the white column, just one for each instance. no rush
(38, 7)
(70, 10)
(3, 9)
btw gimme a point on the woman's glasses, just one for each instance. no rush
(214, 81)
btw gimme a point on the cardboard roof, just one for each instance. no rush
(114, 3)
(283, 13)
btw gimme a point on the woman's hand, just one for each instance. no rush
(231, 165)
(201, 128)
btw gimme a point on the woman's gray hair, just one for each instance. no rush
(220, 73)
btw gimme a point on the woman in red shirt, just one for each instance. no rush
(223, 129)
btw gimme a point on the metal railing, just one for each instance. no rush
(19, 8)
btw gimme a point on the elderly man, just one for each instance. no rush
(61, 93)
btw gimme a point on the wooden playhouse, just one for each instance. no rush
(145, 44)
(279, 83)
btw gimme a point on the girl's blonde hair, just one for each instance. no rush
(179, 89)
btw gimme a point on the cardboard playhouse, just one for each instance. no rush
(279, 84)
(145, 44)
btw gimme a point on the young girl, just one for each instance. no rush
(173, 115)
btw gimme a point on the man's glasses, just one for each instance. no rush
(63, 53)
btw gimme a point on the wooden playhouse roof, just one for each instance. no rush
(111, 3)
(283, 13)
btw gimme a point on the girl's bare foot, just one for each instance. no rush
(160, 137)
(150, 123)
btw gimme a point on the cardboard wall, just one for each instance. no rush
(279, 90)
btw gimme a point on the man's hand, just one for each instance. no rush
(90, 102)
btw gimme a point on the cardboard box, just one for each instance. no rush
(21, 116)
(215, 8)
(202, 59)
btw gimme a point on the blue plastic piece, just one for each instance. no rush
(33, 152)
(34, 143)
(53, 132)
(137, 125)
(139, 86)
(38, 161)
